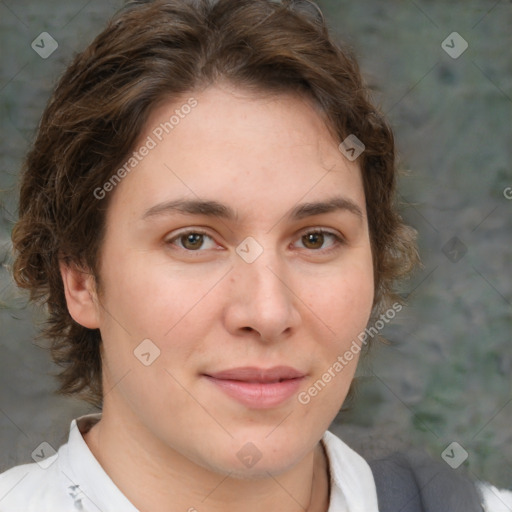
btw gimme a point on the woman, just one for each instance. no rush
(208, 212)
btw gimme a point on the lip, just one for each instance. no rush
(258, 388)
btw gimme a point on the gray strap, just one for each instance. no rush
(412, 482)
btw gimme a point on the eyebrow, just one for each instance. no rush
(192, 207)
(332, 205)
(219, 210)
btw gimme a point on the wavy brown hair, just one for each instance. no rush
(162, 50)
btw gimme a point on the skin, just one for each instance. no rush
(300, 303)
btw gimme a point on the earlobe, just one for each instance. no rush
(81, 298)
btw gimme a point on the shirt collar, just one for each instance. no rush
(352, 484)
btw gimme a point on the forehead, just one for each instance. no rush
(263, 152)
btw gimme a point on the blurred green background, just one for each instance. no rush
(446, 376)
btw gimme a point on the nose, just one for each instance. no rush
(262, 301)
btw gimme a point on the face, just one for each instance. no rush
(238, 248)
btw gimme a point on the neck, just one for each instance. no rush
(167, 480)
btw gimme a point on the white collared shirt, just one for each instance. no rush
(73, 480)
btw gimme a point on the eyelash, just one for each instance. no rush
(338, 240)
(188, 232)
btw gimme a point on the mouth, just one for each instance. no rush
(258, 388)
(258, 375)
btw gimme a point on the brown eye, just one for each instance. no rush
(313, 240)
(320, 240)
(192, 241)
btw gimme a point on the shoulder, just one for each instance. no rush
(70, 479)
(31, 487)
(414, 481)
(495, 500)
(411, 481)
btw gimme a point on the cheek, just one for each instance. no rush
(152, 300)
(145, 293)
(345, 298)
(344, 304)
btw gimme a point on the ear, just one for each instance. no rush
(81, 297)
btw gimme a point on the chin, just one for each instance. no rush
(255, 457)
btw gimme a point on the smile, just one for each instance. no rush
(258, 388)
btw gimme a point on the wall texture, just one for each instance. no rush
(446, 375)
